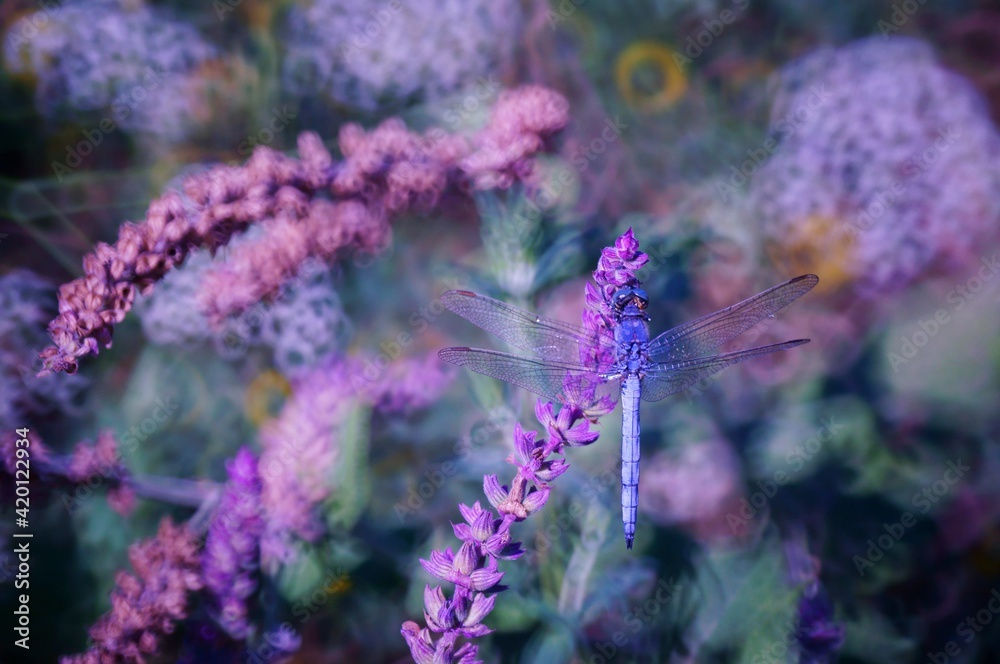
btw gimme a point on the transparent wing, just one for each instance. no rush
(544, 338)
(562, 382)
(703, 335)
(666, 378)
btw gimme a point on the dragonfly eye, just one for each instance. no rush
(640, 298)
(621, 298)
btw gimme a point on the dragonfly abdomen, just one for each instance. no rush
(630, 455)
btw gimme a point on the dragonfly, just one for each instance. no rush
(627, 365)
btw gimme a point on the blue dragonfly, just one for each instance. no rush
(631, 366)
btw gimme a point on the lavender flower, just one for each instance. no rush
(307, 207)
(232, 548)
(91, 55)
(818, 636)
(364, 57)
(887, 167)
(485, 535)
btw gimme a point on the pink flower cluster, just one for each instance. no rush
(103, 460)
(312, 206)
(300, 449)
(485, 535)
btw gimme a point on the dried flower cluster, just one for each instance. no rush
(146, 605)
(308, 207)
(28, 303)
(485, 535)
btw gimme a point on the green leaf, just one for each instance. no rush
(351, 478)
(302, 575)
(555, 643)
(870, 637)
(748, 603)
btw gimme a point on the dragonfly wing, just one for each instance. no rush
(544, 338)
(666, 378)
(703, 335)
(561, 382)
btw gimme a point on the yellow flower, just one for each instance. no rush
(266, 391)
(671, 83)
(817, 245)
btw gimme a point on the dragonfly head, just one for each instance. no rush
(629, 301)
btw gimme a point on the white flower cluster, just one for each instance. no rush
(366, 55)
(304, 324)
(131, 62)
(891, 153)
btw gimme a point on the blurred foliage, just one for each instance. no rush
(665, 98)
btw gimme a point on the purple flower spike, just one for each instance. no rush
(232, 547)
(463, 569)
(486, 539)
(492, 535)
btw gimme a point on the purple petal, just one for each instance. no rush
(484, 579)
(469, 513)
(419, 641)
(433, 599)
(524, 441)
(467, 655)
(481, 607)
(494, 492)
(483, 526)
(463, 532)
(440, 564)
(467, 559)
(535, 500)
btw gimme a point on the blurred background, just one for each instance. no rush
(834, 503)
